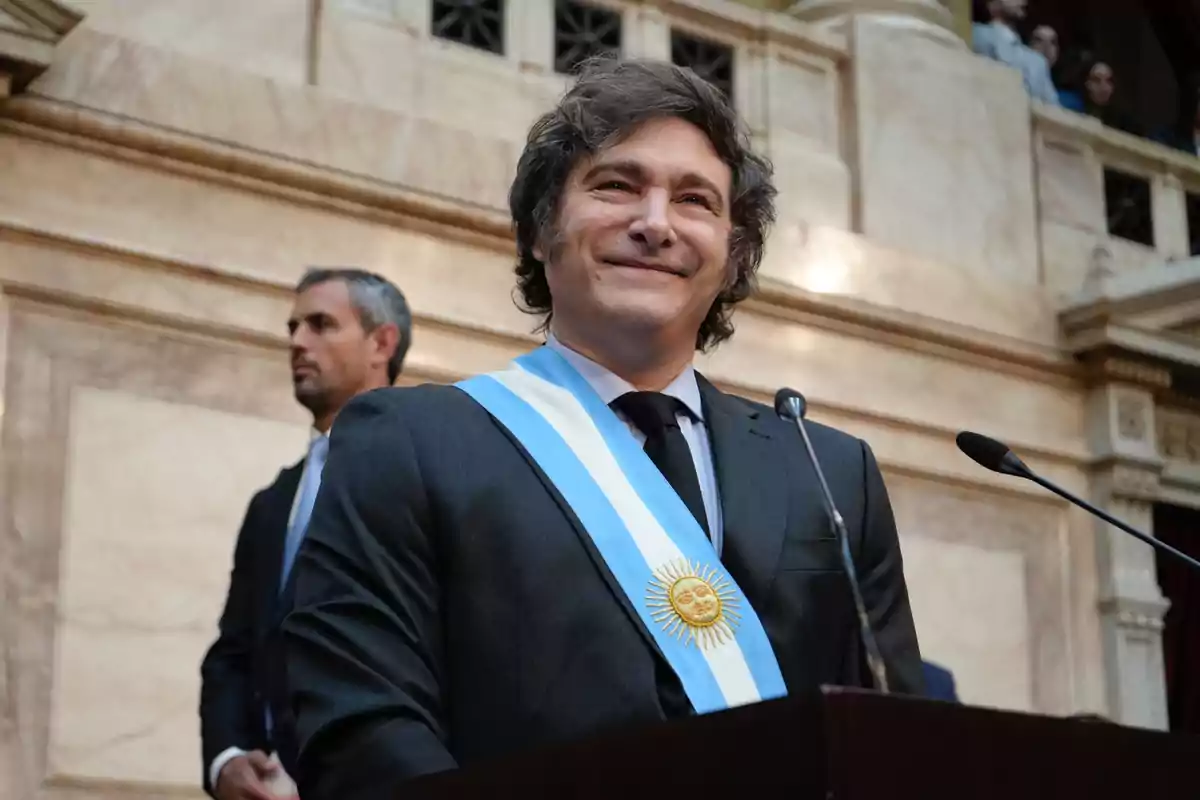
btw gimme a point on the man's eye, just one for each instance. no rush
(616, 186)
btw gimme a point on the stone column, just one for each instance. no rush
(648, 32)
(1121, 429)
(1168, 202)
(529, 34)
(931, 17)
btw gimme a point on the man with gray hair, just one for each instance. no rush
(349, 332)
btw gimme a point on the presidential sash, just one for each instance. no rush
(652, 544)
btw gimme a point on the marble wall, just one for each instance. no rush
(182, 161)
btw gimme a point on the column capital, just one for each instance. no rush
(931, 17)
(1143, 615)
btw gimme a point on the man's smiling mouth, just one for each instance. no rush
(649, 266)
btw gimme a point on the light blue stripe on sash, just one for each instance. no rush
(664, 502)
(601, 522)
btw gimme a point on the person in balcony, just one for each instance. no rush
(1069, 75)
(998, 40)
(1099, 90)
(1044, 40)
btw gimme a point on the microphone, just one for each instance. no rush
(791, 405)
(996, 456)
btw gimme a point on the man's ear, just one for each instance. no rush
(544, 245)
(386, 338)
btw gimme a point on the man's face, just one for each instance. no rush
(1099, 84)
(641, 239)
(1045, 41)
(333, 358)
(1008, 10)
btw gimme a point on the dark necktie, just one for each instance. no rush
(655, 415)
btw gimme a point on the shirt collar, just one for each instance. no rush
(609, 386)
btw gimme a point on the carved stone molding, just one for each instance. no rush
(1131, 418)
(1136, 615)
(1134, 482)
(930, 17)
(1178, 435)
(29, 32)
(1125, 370)
(1130, 619)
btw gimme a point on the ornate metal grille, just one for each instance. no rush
(582, 30)
(708, 59)
(475, 23)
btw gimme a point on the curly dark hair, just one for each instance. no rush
(609, 100)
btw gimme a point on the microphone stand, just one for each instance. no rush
(1111, 520)
(874, 657)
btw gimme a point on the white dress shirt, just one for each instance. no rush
(695, 432)
(230, 753)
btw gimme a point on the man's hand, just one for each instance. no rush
(244, 777)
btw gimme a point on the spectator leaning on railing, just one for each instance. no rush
(999, 41)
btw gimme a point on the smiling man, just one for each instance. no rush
(349, 332)
(594, 536)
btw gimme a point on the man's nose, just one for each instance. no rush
(653, 224)
(299, 340)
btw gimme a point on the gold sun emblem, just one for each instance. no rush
(693, 601)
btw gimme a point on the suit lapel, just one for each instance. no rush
(584, 537)
(752, 479)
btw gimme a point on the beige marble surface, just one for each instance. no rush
(837, 264)
(990, 590)
(391, 67)
(942, 140)
(149, 522)
(989, 656)
(898, 384)
(157, 86)
(266, 38)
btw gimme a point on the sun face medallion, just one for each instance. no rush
(693, 601)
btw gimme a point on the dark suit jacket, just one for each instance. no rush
(241, 673)
(450, 608)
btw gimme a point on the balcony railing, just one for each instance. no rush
(1110, 201)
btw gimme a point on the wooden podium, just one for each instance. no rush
(847, 744)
